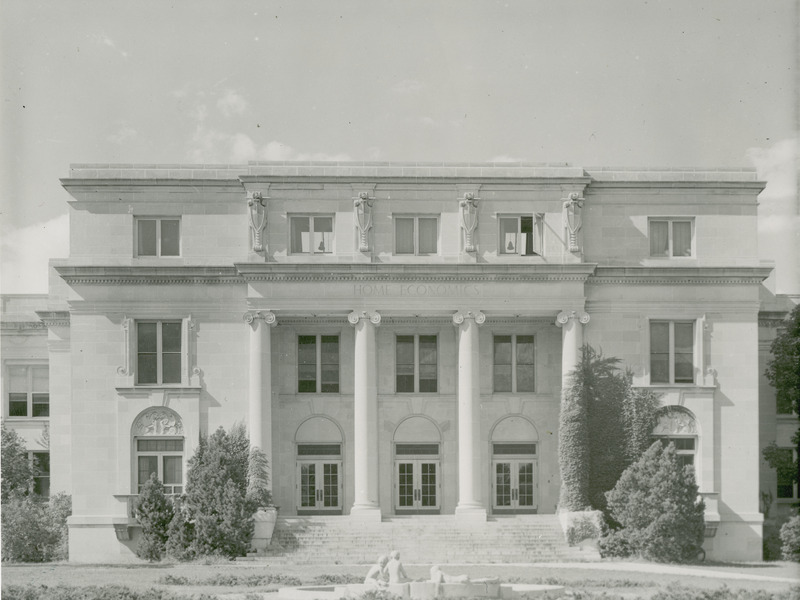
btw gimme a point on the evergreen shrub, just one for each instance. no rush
(656, 505)
(790, 538)
(33, 530)
(154, 512)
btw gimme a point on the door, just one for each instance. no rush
(319, 487)
(417, 488)
(514, 486)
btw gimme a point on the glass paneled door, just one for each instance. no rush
(417, 486)
(514, 486)
(319, 487)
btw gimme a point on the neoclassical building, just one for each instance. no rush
(394, 336)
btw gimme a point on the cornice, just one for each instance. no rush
(252, 272)
(54, 318)
(678, 275)
(772, 318)
(149, 275)
(711, 184)
(21, 325)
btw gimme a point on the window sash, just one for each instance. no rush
(416, 235)
(671, 238)
(514, 363)
(311, 234)
(672, 352)
(318, 364)
(159, 352)
(41, 478)
(164, 457)
(416, 363)
(158, 237)
(28, 391)
(521, 235)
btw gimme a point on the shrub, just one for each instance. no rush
(790, 538)
(16, 472)
(34, 531)
(180, 534)
(92, 592)
(154, 512)
(655, 503)
(583, 527)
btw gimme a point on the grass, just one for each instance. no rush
(254, 579)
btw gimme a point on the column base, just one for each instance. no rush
(470, 515)
(366, 514)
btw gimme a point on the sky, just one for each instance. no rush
(673, 83)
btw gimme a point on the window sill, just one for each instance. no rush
(166, 390)
(27, 419)
(680, 386)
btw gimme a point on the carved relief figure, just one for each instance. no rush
(572, 219)
(158, 421)
(674, 421)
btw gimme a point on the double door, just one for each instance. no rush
(418, 486)
(514, 486)
(319, 487)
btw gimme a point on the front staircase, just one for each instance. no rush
(420, 539)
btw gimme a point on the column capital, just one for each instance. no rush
(253, 315)
(458, 318)
(355, 316)
(566, 315)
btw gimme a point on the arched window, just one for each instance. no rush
(417, 466)
(515, 466)
(677, 425)
(158, 448)
(319, 467)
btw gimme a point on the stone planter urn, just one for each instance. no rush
(264, 521)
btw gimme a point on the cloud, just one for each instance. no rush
(104, 40)
(25, 253)
(125, 133)
(232, 103)
(408, 86)
(199, 113)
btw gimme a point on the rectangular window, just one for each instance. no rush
(416, 360)
(158, 237)
(164, 457)
(521, 235)
(671, 237)
(684, 448)
(311, 234)
(318, 364)
(416, 235)
(671, 352)
(41, 474)
(513, 363)
(158, 352)
(28, 391)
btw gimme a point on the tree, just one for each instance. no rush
(154, 512)
(656, 504)
(17, 471)
(783, 369)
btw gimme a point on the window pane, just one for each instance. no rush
(146, 368)
(41, 405)
(18, 379)
(17, 404)
(147, 465)
(659, 352)
(526, 232)
(508, 235)
(502, 378)
(681, 238)
(659, 244)
(405, 383)
(330, 379)
(427, 349)
(146, 237)
(41, 379)
(173, 470)
(684, 359)
(300, 234)
(146, 340)
(323, 234)
(307, 363)
(524, 349)
(404, 236)
(525, 377)
(170, 237)
(171, 367)
(502, 350)
(405, 349)
(427, 236)
(330, 350)
(41, 463)
(171, 337)
(307, 379)
(684, 338)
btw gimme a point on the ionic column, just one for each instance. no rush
(365, 418)
(469, 505)
(259, 389)
(571, 323)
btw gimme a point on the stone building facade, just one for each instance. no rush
(395, 336)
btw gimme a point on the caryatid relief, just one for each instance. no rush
(571, 216)
(468, 207)
(257, 212)
(363, 212)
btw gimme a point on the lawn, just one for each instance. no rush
(614, 579)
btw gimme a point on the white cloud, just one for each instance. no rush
(408, 86)
(123, 134)
(25, 253)
(232, 103)
(199, 113)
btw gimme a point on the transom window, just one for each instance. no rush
(416, 363)
(312, 234)
(28, 391)
(318, 364)
(671, 237)
(521, 235)
(513, 363)
(158, 352)
(158, 237)
(164, 457)
(416, 235)
(671, 352)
